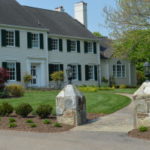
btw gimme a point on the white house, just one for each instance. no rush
(39, 42)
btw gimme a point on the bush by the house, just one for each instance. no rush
(11, 120)
(4, 76)
(27, 79)
(24, 109)
(33, 125)
(29, 121)
(15, 90)
(43, 110)
(6, 109)
(57, 124)
(12, 125)
(47, 121)
(143, 129)
(140, 77)
(123, 86)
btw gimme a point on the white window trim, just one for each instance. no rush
(15, 72)
(38, 40)
(92, 52)
(77, 79)
(14, 45)
(57, 44)
(121, 65)
(76, 45)
(91, 65)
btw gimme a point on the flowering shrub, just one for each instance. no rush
(4, 76)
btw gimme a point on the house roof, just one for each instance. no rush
(58, 23)
(106, 50)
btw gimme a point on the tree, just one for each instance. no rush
(97, 34)
(134, 45)
(128, 15)
(4, 76)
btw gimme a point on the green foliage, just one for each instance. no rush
(57, 76)
(29, 121)
(12, 125)
(27, 78)
(15, 90)
(123, 86)
(57, 124)
(104, 80)
(46, 121)
(11, 120)
(33, 125)
(6, 109)
(24, 109)
(143, 129)
(97, 34)
(44, 110)
(140, 77)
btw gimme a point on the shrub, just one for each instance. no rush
(15, 90)
(47, 121)
(57, 124)
(140, 77)
(11, 120)
(27, 78)
(123, 86)
(43, 111)
(6, 109)
(104, 80)
(29, 121)
(143, 129)
(24, 109)
(12, 125)
(33, 125)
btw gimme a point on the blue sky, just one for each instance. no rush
(96, 17)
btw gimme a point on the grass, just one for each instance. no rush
(97, 102)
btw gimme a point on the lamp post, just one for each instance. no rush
(147, 70)
(69, 74)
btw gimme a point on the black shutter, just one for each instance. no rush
(95, 47)
(41, 41)
(49, 44)
(68, 46)
(3, 38)
(17, 36)
(29, 39)
(60, 45)
(78, 46)
(18, 71)
(4, 65)
(61, 67)
(79, 72)
(95, 72)
(86, 72)
(85, 47)
(51, 70)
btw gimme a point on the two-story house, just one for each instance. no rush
(39, 42)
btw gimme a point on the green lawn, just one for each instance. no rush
(97, 102)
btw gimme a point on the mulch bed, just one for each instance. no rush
(137, 134)
(41, 127)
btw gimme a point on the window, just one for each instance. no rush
(119, 70)
(73, 45)
(91, 72)
(74, 72)
(55, 44)
(10, 38)
(35, 40)
(89, 47)
(11, 67)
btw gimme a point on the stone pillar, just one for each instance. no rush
(142, 105)
(71, 106)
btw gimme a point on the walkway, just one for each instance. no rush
(120, 121)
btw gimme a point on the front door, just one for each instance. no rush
(35, 75)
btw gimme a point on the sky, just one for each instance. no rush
(96, 17)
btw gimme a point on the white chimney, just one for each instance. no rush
(60, 9)
(80, 12)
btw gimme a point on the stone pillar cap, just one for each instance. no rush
(143, 91)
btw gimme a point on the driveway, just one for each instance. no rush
(120, 121)
(108, 133)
